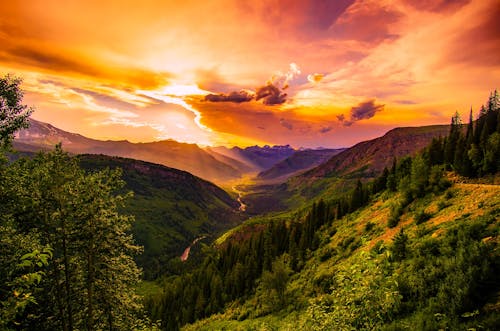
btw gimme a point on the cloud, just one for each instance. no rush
(235, 96)
(315, 78)
(326, 129)
(484, 35)
(34, 56)
(366, 22)
(286, 124)
(308, 19)
(270, 95)
(362, 111)
(437, 5)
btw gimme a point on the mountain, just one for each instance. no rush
(297, 162)
(188, 157)
(340, 173)
(171, 208)
(368, 158)
(256, 157)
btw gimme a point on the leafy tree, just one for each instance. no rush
(13, 114)
(91, 278)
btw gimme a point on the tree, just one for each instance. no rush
(276, 280)
(91, 278)
(13, 114)
(399, 246)
(451, 143)
(419, 176)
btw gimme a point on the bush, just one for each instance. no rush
(422, 216)
(369, 226)
(396, 212)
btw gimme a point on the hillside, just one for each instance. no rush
(171, 208)
(368, 158)
(188, 157)
(360, 277)
(298, 162)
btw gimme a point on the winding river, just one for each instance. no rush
(185, 255)
(242, 207)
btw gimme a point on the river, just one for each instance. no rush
(242, 207)
(185, 255)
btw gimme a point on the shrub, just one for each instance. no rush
(422, 216)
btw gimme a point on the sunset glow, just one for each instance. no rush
(305, 73)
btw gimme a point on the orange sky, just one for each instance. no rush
(305, 73)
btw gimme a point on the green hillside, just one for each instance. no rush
(171, 208)
(361, 276)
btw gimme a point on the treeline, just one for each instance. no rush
(65, 252)
(475, 152)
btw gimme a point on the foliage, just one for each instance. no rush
(13, 114)
(363, 297)
(90, 279)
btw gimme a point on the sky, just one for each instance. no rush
(305, 73)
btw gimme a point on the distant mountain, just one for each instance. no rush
(340, 173)
(171, 208)
(298, 162)
(189, 157)
(368, 158)
(256, 157)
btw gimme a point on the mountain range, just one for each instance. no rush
(217, 164)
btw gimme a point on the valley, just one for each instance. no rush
(305, 165)
(375, 236)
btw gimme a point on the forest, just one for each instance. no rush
(68, 259)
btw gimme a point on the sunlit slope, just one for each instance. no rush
(360, 277)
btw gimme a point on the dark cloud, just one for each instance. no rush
(286, 124)
(235, 96)
(437, 6)
(364, 110)
(270, 95)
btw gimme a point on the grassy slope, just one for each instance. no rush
(349, 247)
